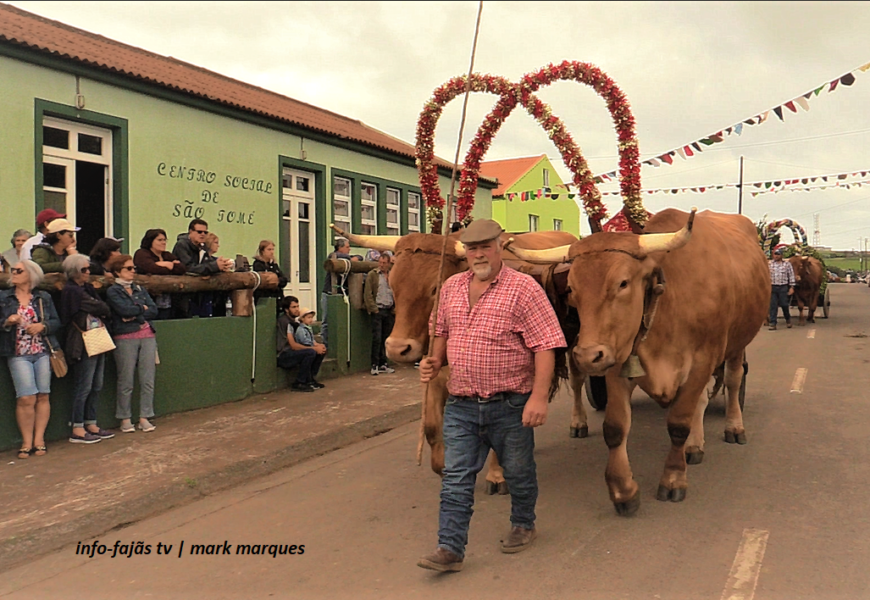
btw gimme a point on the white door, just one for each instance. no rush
(298, 197)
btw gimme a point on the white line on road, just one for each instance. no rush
(797, 384)
(747, 566)
(811, 334)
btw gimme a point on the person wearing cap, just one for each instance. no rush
(380, 305)
(782, 284)
(291, 353)
(341, 250)
(103, 250)
(42, 220)
(59, 243)
(497, 330)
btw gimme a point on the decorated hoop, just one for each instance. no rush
(523, 93)
(770, 231)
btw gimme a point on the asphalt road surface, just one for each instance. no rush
(785, 517)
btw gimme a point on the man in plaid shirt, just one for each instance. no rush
(782, 287)
(497, 330)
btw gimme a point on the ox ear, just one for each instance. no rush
(381, 243)
(539, 257)
(459, 248)
(663, 242)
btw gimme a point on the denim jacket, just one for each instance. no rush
(125, 306)
(9, 307)
(304, 335)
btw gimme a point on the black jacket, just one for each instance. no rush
(272, 267)
(195, 259)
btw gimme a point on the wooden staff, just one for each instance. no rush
(446, 236)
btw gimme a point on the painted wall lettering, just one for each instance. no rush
(187, 173)
(252, 185)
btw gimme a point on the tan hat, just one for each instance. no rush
(306, 311)
(480, 230)
(61, 225)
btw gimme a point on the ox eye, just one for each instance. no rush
(624, 284)
(434, 290)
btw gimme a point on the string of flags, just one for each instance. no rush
(696, 147)
(796, 184)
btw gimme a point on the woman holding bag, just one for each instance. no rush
(133, 309)
(83, 313)
(28, 322)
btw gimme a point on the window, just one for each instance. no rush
(546, 178)
(341, 203)
(533, 222)
(557, 224)
(414, 203)
(393, 197)
(368, 209)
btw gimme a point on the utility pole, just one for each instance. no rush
(740, 190)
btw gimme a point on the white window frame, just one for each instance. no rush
(557, 224)
(414, 211)
(344, 222)
(534, 222)
(369, 226)
(396, 194)
(546, 178)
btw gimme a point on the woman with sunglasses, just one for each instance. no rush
(133, 309)
(28, 323)
(59, 242)
(80, 310)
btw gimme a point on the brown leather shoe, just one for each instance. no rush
(518, 540)
(788, 325)
(441, 560)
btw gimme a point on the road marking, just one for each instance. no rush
(811, 334)
(797, 384)
(747, 566)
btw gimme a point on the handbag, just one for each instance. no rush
(55, 357)
(96, 340)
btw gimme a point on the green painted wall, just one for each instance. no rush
(514, 215)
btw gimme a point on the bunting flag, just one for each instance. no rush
(685, 150)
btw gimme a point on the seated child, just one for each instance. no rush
(304, 335)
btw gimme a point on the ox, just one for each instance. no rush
(808, 276)
(683, 303)
(414, 278)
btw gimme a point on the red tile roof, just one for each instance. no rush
(24, 29)
(508, 171)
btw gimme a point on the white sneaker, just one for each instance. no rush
(386, 369)
(127, 426)
(375, 371)
(146, 425)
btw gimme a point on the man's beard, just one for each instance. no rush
(482, 270)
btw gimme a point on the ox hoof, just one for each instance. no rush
(503, 489)
(580, 432)
(694, 456)
(490, 488)
(629, 507)
(676, 495)
(735, 438)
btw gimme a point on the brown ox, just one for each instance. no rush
(808, 276)
(685, 302)
(414, 278)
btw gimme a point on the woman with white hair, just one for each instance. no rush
(11, 257)
(28, 323)
(81, 310)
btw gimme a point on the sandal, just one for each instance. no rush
(40, 450)
(24, 453)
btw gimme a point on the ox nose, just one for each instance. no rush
(403, 350)
(594, 359)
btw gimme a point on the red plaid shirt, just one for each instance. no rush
(490, 348)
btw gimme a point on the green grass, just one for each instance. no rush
(844, 263)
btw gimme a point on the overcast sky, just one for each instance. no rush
(688, 69)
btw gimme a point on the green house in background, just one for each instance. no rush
(519, 177)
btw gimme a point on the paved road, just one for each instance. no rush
(782, 518)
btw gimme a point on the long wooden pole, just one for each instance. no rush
(445, 221)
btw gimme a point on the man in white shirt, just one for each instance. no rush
(42, 220)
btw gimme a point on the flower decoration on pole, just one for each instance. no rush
(523, 93)
(769, 234)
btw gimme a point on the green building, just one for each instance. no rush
(530, 196)
(123, 140)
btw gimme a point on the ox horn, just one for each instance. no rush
(380, 243)
(539, 257)
(663, 242)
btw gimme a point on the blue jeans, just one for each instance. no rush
(87, 383)
(779, 298)
(307, 360)
(470, 430)
(31, 374)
